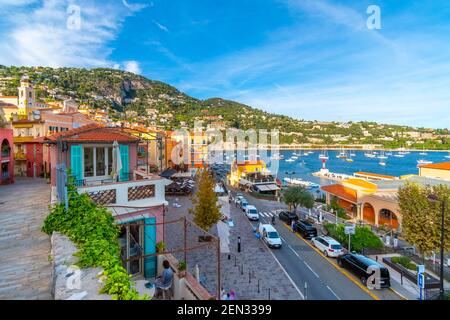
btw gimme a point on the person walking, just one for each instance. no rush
(293, 225)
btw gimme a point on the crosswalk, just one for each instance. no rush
(268, 214)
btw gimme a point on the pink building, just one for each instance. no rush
(136, 199)
(6, 156)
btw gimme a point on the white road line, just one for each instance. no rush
(265, 214)
(333, 293)
(261, 214)
(295, 252)
(269, 214)
(311, 269)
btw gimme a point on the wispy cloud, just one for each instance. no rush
(161, 26)
(42, 35)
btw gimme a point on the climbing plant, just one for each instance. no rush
(92, 228)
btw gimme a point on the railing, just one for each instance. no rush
(109, 180)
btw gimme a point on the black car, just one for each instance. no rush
(287, 216)
(359, 265)
(306, 229)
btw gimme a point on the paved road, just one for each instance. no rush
(305, 265)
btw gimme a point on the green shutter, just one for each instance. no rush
(124, 155)
(76, 163)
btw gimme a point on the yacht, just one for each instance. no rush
(382, 155)
(324, 155)
(424, 162)
(342, 154)
(369, 154)
(302, 183)
(382, 163)
(399, 155)
(290, 160)
(423, 153)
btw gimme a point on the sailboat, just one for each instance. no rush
(423, 153)
(342, 154)
(369, 154)
(324, 155)
(382, 155)
(382, 163)
(419, 162)
(448, 157)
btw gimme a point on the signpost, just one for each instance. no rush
(350, 230)
(421, 280)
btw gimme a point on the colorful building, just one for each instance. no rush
(6, 156)
(435, 170)
(135, 198)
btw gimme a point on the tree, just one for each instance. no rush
(298, 196)
(206, 211)
(421, 223)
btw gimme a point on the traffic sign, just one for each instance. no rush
(420, 268)
(421, 280)
(350, 230)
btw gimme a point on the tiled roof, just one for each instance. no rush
(439, 166)
(341, 192)
(375, 175)
(93, 133)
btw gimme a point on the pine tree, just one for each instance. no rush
(206, 211)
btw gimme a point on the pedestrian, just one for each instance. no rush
(273, 219)
(232, 295)
(293, 225)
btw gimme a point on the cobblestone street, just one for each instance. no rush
(243, 270)
(25, 269)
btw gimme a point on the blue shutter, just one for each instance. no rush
(150, 247)
(124, 155)
(76, 162)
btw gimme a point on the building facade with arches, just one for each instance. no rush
(6, 156)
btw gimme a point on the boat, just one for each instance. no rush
(342, 154)
(294, 157)
(389, 154)
(300, 182)
(424, 162)
(290, 160)
(369, 154)
(448, 157)
(349, 158)
(324, 155)
(276, 156)
(399, 155)
(423, 153)
(382, 155)
(382, 163)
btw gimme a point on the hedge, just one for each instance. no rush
(363, 237)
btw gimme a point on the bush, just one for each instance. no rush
(93, 229)
(405, 262)
(363, 237)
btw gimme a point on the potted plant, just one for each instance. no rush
(160, 247)
(182, 268)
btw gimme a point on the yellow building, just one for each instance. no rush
(242, 170)
(435, 170)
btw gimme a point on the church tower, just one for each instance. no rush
(26, 96)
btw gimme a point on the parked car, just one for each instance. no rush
(238, 198)
(252, 213)
(359, 264)
(329, 246)
(269, 235)
(243, 204)
(287, 216)
(306, 229)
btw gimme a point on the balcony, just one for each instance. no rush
(20, 156)
(141, 190)
(23, 139)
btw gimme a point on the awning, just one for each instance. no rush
(267, 187)
(168, 173)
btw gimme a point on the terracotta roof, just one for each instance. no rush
(93, 133)
(439, 166)
(9, 97)
(341, 192)
(375, 175)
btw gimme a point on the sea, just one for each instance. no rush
(305, 165)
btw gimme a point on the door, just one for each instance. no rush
(150, 247)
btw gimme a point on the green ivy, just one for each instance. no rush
(93, 229)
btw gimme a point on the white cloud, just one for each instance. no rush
(132, 66)
(160, 26)
(40, 35)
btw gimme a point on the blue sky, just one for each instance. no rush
(310, 59)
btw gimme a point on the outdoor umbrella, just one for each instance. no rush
(117, 161)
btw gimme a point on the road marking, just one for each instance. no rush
(400, 295)
(344, 272)
(261, 214)
(333, 293)
(269, 214)
(311, 269)
(295, 252)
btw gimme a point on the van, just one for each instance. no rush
(252, 213)
(359, 266)
(269, 235)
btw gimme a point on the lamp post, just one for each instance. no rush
(434, 198)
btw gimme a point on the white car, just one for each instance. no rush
(269, 235)
(329, 246)
(238, 199)
(252, 213)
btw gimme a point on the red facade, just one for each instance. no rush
(6, 156)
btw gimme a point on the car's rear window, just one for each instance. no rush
(253, 211)
(273, 235)
(336, 246)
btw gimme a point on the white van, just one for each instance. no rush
(251, 212)
(269, 235)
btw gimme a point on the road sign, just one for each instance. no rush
(421, 280)
(350, 230)
(420, 268)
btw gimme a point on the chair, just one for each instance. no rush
(167, 288)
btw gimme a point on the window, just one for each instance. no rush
(88, 162)
(97, 161)
(29, 95)
(100, 161)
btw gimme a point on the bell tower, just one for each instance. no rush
(26, 96)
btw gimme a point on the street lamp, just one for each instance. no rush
(435, 199)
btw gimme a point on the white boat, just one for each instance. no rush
(399, 155)
(448, 157)
(300, 182)
(342, 154)
(382, 155)
(276, 156)
(290, 160)
(424, 161)
(324, 155)
(294, 157)
(369, 154)
(382, 163)
(349, 158)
